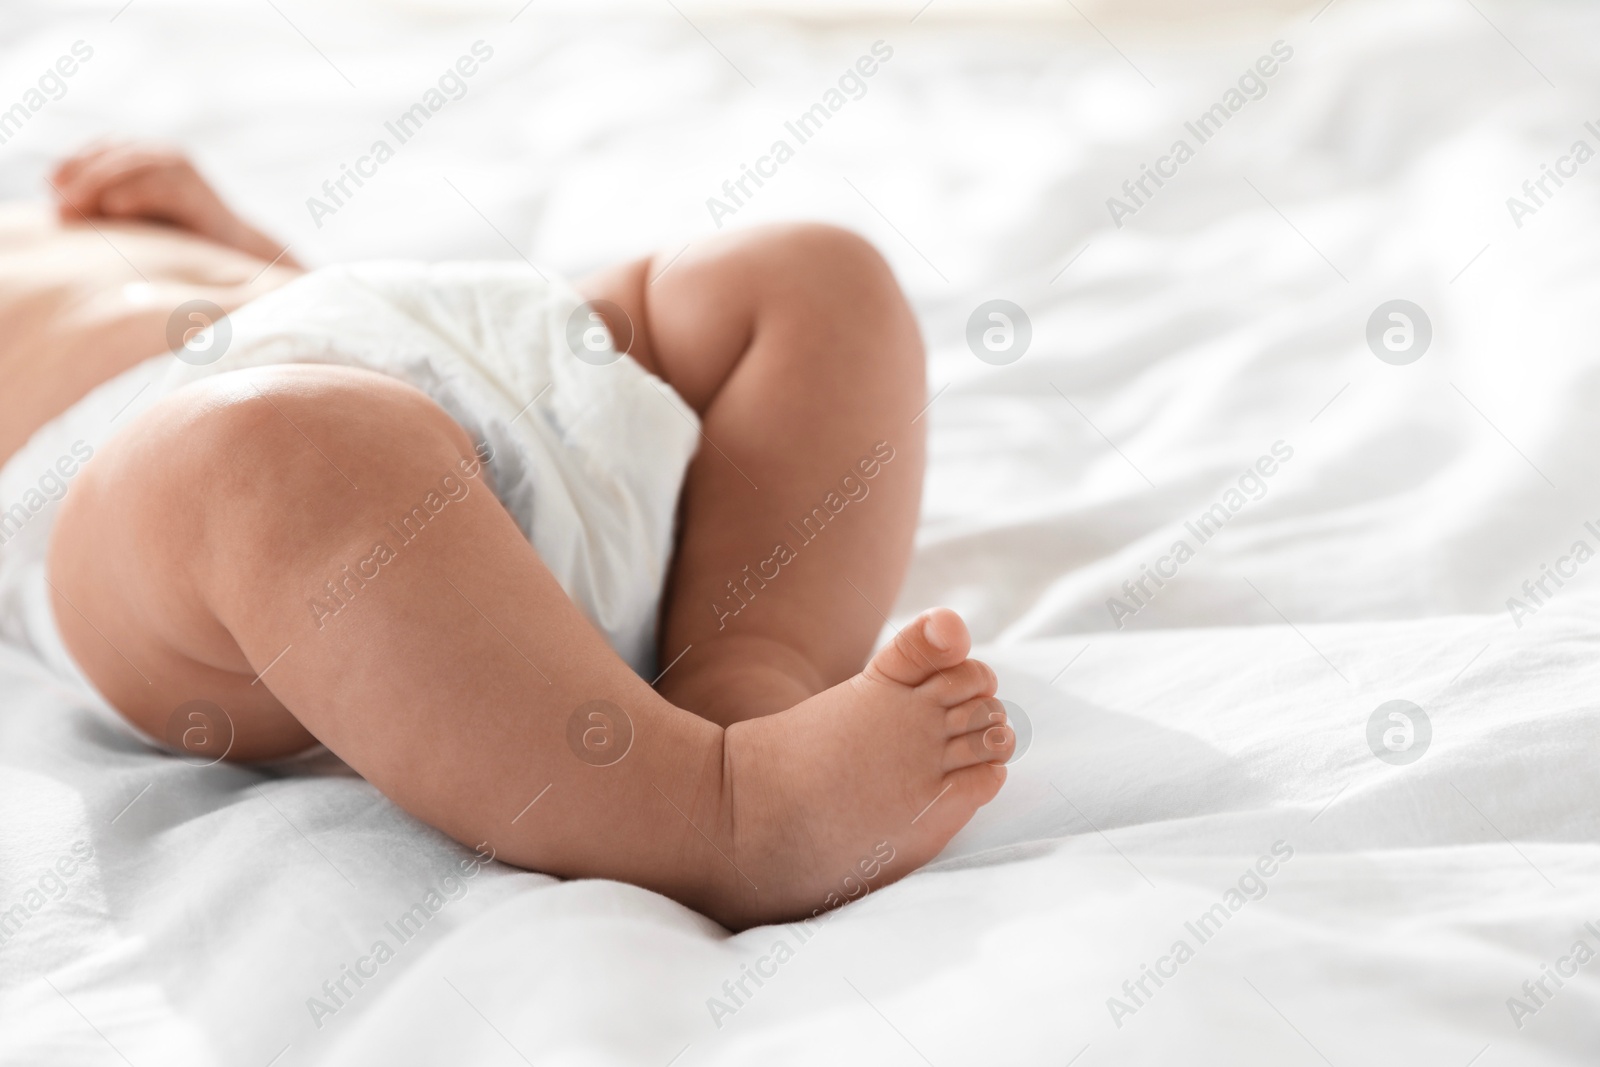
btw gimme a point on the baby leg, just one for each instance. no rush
(192, 560)
(196, 553)
(797, 348)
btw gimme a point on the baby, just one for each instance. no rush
(589, 578)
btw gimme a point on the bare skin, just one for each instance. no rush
(774, 765)
(86, 289)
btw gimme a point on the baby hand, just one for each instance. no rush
(143, 181)
(137, 181)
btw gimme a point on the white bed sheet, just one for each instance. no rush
(1228, 715)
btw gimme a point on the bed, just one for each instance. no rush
(1323, 790)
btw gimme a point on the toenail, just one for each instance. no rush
(931, 635)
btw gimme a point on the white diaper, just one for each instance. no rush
(588, 455)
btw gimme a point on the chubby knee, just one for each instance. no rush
(834, 286)
(260, 464)
(829, 258)
(223, 509)
(280, 414)
(825, 243)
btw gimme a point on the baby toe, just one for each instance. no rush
(978, 732)
(932, 642)
(969, 680)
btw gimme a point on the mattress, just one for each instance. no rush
(1319, 789)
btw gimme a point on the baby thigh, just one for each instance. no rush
(314, 550)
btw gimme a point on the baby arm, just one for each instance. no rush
(137, 181)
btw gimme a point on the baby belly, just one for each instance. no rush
(78, 307)
(55, 353)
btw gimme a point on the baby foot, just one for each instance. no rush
(861, 784)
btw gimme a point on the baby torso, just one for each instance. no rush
(81, 303)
